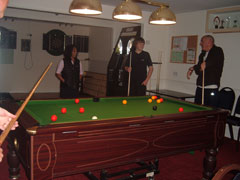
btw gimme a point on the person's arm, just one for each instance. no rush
(197, 68)
(59, 70)
(150, 71)
(190, 71)
(1, 154)
(5, 118)
(127, 68)
(59, 76)
(81, 71)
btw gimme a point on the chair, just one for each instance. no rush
(227, 169)
(226, 98)
(234, 120)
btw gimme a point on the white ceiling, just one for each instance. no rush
(180, 6)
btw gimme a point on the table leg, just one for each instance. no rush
(13, 162)
(209, 163)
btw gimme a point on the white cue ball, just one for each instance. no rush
(94, 117)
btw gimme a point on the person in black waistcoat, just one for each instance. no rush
(69, 72)
(211, 60)
(138, 68)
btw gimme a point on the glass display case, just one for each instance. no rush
(223, 20)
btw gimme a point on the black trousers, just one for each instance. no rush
(137, 89)
(210, 97)
(68, 92)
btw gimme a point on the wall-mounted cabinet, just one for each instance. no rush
(223, 20)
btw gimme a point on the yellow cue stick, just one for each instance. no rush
(18, 113)
(203, 86)
(129, 76)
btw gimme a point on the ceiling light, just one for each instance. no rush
(162, 15)
(128, 11)
(86, 7)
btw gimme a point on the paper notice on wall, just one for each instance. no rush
(177, 56)
(180, 43)
(191, 53)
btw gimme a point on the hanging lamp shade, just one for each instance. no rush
(127, 11)
(86, 7)
(162, 15)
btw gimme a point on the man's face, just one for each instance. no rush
(74, 52)
(140, 46)
(205, 44)
(3, 5)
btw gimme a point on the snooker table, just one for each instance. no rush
(122, 134)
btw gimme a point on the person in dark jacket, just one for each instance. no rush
(69, 72)
(211, 61)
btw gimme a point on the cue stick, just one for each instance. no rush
(203, 86)
(18, 113)
(129, 76)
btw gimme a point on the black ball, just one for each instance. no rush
(154, 108)
(95, 99)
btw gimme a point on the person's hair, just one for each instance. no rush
(139, 40)
(209, 37)
(68, 51)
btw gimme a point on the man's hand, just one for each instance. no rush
(128, 69)
(5, 118)
(189, 73)
(203, 66)
(144, 83)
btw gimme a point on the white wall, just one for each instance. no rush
(100, 49)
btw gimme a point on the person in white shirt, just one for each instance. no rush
(69, 72)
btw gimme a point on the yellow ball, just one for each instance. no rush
(153, 97)
(158, 101)
(124, 101)
(150, 100)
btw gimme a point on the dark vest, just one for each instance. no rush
(70, 74)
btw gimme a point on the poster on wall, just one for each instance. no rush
(183, 49)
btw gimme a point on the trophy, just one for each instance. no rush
(234, 23)
(216, 22)
(222, 22)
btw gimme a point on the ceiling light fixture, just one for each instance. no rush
(128, 11)
(162, 15)
(86, 7)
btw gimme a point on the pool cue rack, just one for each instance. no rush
(143, 171)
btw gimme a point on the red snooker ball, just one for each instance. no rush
(81, 110)
(64, 110)
(180, 109)
(77, 101)
(54, 117)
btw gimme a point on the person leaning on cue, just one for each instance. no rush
(138, 68)
(69, 72)
(5, 116)
(210, 61)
